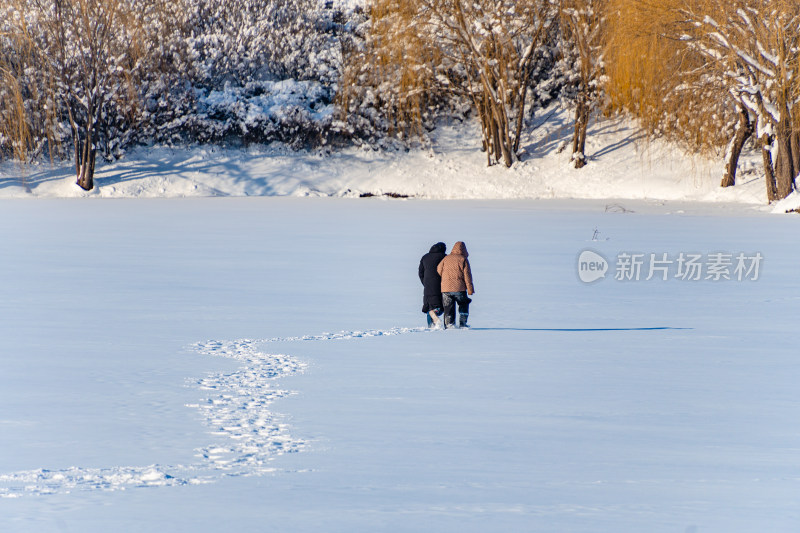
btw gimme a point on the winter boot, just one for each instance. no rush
(434, 320)
(448, 321)
(462, 320)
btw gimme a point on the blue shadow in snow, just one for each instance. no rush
(577, 329)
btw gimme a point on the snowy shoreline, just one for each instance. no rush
(623, 166)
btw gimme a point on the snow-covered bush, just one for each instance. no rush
(298, 113)
(253, 71)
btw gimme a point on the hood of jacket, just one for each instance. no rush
(460, 248)
(439, 247)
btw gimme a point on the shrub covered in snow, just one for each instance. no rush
(255, 72)
(294, 112)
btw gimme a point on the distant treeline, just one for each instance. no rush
(80, 78)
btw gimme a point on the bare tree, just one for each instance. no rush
(494, 41)
(85, 56)
(582, 23)
(755, 47)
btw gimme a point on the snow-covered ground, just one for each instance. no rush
(257, 364)
(622, 164)
(230, 340)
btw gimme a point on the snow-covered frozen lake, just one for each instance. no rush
(257, 364)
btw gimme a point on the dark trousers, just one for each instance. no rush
(450, 299)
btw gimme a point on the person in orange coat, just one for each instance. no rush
(456, 285)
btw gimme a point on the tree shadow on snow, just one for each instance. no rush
(29, 177)
(558, 129)
(202, 169)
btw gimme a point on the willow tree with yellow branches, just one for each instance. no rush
(28, 116)
(399, 70)
(14, 129)
(710, 74)
(654, 75)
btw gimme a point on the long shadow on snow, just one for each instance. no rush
(562, 131)
(178, 164)
(578, 329)
(28, 177)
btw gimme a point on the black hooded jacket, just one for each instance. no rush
(427, 269)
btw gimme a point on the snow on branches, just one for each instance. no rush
(582, 25)
(753, 47)
(494, 43)
(100, 75)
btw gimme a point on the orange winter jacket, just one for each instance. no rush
(455, 270)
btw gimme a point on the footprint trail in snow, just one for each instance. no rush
(247, 435)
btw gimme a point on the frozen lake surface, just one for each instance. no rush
(258, 364)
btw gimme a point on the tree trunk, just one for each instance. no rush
(86, 162)
(86, 172)
(744, 129)
(579, 137)
(796, 155)
(493, 129)
(784, 166)
(520, 117)
(496, 130)
(506, 144)
(490, 128)
(769, 171)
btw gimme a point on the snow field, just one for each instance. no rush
(187, 337)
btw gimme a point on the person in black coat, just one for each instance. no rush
(432, 283)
